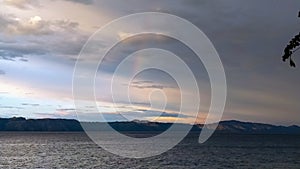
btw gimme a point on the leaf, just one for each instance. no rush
(292, 63)
(291, 48)
(285, 57)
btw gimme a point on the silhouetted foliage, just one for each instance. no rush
(291, 48)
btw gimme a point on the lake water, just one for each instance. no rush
(76, 150)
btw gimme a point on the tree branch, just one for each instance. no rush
(296, 49)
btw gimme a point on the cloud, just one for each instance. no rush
(22, 4)
(86, 2)
(45, 115)
(29, 4)
(36, 36)
(66, 109)
(37, 26)
(14, 51)
(85, 115)
(148, 85)
(124, 35)
(55, 115)
(2, 72)
(30, 104)
(4, 21)
(23, 60)
(11, 107)
(249, 39)
(165, 114)
(150, 114)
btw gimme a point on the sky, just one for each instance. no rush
(41, 40)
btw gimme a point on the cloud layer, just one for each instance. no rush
(40, 41)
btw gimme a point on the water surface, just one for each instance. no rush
(76, 150)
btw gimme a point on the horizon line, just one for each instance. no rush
(136, 120)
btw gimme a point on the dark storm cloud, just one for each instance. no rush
(240, 30)
(246, 35)
(136, 43)
(13, 51)
(250, 37)
(9, 56)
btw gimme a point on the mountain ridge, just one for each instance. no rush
(71, 125)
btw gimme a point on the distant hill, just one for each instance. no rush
(66, 125)
(22, 124)
(238, 127)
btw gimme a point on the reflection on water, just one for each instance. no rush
(76, 150)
